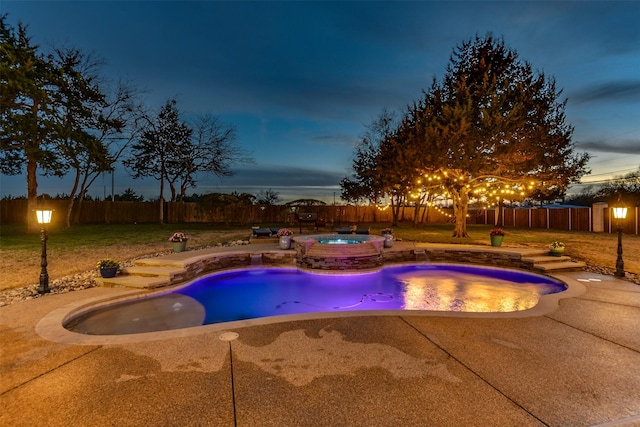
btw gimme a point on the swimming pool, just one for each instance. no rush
(266, 292)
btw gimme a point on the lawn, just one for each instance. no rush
(77, 249)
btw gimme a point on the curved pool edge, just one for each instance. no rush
(51, 326)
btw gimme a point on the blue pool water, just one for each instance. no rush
(339, 241)
(255, 293)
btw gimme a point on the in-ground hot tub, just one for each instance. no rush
(337, 252)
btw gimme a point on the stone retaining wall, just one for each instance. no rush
(458, 256)
(218, 262)
(326, 262)
(285, 258)
(362, 262)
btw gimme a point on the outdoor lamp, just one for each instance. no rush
(44, 218)
(619, 213)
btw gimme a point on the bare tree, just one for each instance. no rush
(268, 197)
(94, 127)
(156, 153)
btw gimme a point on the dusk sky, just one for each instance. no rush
(301, 80)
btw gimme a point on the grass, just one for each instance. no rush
(79, 248)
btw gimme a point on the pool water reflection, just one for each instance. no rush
(252, 294)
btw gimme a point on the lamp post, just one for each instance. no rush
(619, 213)
(44, 218)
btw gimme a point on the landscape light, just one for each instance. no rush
(44, 218)
(619, 213)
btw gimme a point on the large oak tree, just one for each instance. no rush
(491, 127)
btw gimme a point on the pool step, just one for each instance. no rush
(171, 273)
(550, 264)
(160, 262)
(140, 282)
(560, 266)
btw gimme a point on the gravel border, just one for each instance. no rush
(83, 280)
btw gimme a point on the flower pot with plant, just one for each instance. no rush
(387, 233)
(556, 248)
(496, 234)
(108, 267)
(179, 241)
(284, 238)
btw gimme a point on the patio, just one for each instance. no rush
(576, 366)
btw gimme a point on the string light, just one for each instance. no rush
(488, 191)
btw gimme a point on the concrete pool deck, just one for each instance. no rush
(576, 366)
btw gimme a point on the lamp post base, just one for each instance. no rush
(44, 275)
(44, 286)
(619, 262)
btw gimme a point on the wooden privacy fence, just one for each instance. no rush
(598, 218)
(106, 212)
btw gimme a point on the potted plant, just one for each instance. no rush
(284, 236)
(108, 267)
(556, 248)
(179, 241)
(496, 234)
(388, 237)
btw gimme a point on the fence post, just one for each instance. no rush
(598, 217)
(547, 218)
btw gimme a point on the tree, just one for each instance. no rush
(213, 150)
(26, 114)
(268, 197)
(128, 196)
(490, 130)
(114, 126)
(365, 182)
(158, 152)
(56, 117)
(176, 152)
(352, 191)
(627, 187)
(398, 165)
(92, 125)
